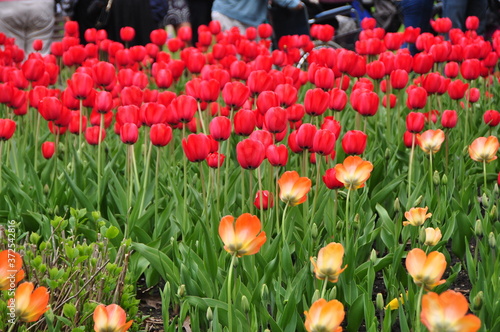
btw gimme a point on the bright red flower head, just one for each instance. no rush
(354, 142)
(196, 147)
(250, 153)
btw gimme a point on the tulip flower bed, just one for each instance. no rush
(357, 192)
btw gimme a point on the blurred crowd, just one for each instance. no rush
(30, 20)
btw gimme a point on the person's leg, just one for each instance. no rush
(455, 10)
(227, 23)
(200, 13)
(41, 24)
(12, 21)
(417, 14)
(478, 8)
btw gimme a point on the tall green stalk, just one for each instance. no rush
(410, 166)
(229, 293)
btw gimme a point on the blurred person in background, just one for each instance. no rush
(26, 21)
(200, 13)
(458, 11)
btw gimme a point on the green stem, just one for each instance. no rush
(11, 328)
(80, 126)
(184, 164)
(347, 218)
(145, 179)
(229, 293)
(484, 175)
(1, 164)
(201, 119)
(417, 317)
(243, 200)
(430, 173)
(323, 291)
(411, 163)
(316, 189)
(99, 152)
(38, 116)
(283, 229)
(260, 196)
(157, 166)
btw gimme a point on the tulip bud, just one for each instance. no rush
(492, 241)
(397, 205)
(373, 256)
(244, 304)
(485, 200)
(314, 231)
(181, 291)
(379, 301)
(435, 178)
(264, 293)
(493, 211)
(210, 315)
(444, 179)
(432, 236)
(477, 302)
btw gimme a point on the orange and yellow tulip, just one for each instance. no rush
(11, 269)
(447, 312)
(416, 216)
(432, 236)
(111, 318)
(426, 270)
(325, 316)
(431, 140)
(243, 237)
(293, 188)
(353, 172)
(29, 304)
(484, 149)
(329, 262)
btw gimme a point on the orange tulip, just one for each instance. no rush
(329, 262)
(354, 172)
(11, 269)
(416, 216)
(111, 318)
(430, 140)
(432, 236)
(426, 270)
(29, 304)
(243, 237)
(447, 312)
(484, 149)
(325, 316)
(293, 188)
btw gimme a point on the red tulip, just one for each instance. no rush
(164, 78)
(160, 134)
(195, 62)
(235, 94)
(74, 123)
(472, 23)
(417, 97)
(449, 119)
(491, 118)
(127, 34)
(266, 198)
(440, 51)
(95, 118)
(287, 94)
(277, 155)
(408, 139)
(375, 70)
(354, 142)
(185, 107)
(244, 122)
(330, 179)
(316, 101)
(158, 37)
(415, 122)
(411, 34)
(33, 69)
(456, 89)
(7, 129)
(185, 34)
(470, 69)
(80, 85)
(422, 63)
(196, 147)
(103, 101)
(367, 103)
(324, 78)
(209, 90)
(472, 95)
(451, 69)
(250, 153)
(153, 113)
(305, 136)
(92, 135)
(214, 27)
(441, 25)
(259, 81)
(267, 100)
(263, 136)
(338, 99)
(324, 142)
(129, 133)
(275, 119)
(393, 41)
(50, 108)
(48, 149)
(265, 30)
(220, 128)
(432, 82)
(128, 114)
(368, 23)
(399, 79)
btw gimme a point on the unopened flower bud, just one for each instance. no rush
(210, 314)
(477, 303)
(96, 215)
(379, 301)
(387, 154)
(373, 256)
(245, 305)
(485, 200)
(492, 241)
(418, 200)
(264, 293)
(314, 231)
(493, 211)
(478, 228)
(432, 236)
(181, 291)
(435, 178)
(315, 296)
(333, 293)
(444, 179)
(397, 205)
